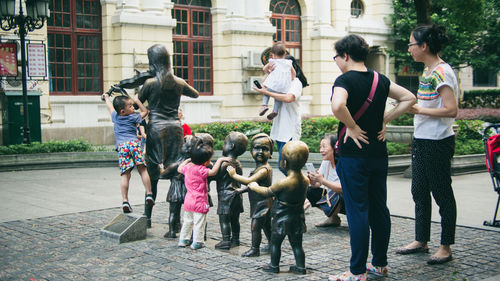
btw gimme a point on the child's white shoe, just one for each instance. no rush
(197, 245)
(183, 243)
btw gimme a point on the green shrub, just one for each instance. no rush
(395, 148)
(220, 130)
(464, 147)
(312, 143)
(469, 130)
(313, 129)
(47, 147)
(405, 119)
(317, 127)
(490, 119)
(481, 98)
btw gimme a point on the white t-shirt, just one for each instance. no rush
(287, 125)
(429, 127)
(328, 172)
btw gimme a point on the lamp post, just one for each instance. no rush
(36, 13)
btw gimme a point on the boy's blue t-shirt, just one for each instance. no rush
(125, 127)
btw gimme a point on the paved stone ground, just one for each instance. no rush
(70, 247)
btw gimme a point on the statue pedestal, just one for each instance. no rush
(126, 228)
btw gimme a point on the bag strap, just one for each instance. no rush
(364, 107)
(324, 189)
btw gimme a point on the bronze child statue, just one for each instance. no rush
(177, 191)
(230, 201)
(287, 213)
(165, 136)
(261, 148)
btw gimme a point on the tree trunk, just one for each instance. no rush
(422, 8)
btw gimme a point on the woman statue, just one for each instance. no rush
(165, 136)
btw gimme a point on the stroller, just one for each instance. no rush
(492, 150)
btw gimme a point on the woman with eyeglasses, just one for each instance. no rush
(433, 143)
(363, 162)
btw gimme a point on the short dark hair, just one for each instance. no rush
(433, 35)
(119, 103)
(353, 45)
(278, 49)
(201, 152)
(332, 139)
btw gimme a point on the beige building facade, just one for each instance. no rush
(215, 45)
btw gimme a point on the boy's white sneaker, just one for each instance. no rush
(149, 199)
(126, 207)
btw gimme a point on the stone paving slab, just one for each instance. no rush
(70, 247)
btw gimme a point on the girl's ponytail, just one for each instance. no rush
(433, 35)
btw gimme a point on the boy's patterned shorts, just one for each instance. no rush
(129, 155)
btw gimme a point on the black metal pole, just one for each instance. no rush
(22, 34)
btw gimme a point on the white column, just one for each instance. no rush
(129, 6)
(322, 26)
(153, 12)
(255, 9)
(322, 9)
(235, 8)
(153, 6)
(247, 16)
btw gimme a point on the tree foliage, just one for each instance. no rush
(486, 54)
(473, 27)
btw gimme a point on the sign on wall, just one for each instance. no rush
(8, 59)
(36, 60)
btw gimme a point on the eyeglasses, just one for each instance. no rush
(335, 57)
(411, 44)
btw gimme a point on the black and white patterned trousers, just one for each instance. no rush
(431, 174)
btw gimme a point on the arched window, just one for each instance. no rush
(356, 8)
(75, 47)
(286, 19)
(192, 38)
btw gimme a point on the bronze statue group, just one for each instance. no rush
(275, 209)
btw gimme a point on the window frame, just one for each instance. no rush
(74, 32)
(492, 78)
(354, 10)
(191, 40)
(283, 19)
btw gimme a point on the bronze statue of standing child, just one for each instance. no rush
(261, 148)
(287, 213)
(230, 201)
(177, 191)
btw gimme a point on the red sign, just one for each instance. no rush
(8, 59)
(36, 60)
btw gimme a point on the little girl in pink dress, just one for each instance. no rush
(196, 201)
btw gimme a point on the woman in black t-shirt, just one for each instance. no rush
(362, 165)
